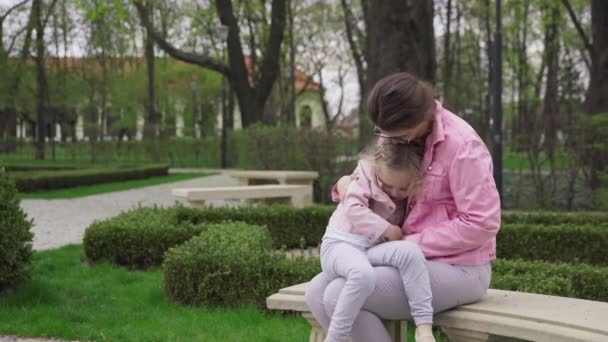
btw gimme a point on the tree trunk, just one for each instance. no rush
(596, 101)
(151, 122)
(42, 86)
(551, 100)
(401, 38)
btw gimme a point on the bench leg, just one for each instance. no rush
(462, 335)
(301, 201)
(316, 333)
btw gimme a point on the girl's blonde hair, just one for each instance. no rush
(396, 156)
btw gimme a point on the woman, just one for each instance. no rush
(454, 220)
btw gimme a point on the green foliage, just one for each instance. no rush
(38, 180)
(287, 225)
(558, 279)
(561, 243)
(229, 265)
(15, 237)
(137, 239)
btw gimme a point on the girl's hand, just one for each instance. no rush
(392, 233)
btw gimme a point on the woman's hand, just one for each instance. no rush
(392, 233)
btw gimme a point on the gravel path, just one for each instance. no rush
(60, 222)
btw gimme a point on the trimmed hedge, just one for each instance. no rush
(231, 264)
(287, 225)
(556, 218)
(28, 181)
(15, 237)
(561, 243)
(558, 279)
(137, 239)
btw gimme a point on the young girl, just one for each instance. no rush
(372, 212)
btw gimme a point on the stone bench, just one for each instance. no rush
(257, 177)
(498, 316)
(297, 195)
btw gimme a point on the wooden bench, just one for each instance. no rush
(498, 316)
(257, 177)
(298, 195)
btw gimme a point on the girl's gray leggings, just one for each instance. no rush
(354, 263)
(451, 285)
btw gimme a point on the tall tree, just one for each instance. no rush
(42, 95)
(252, 91)
(8, 110)
(596, 101)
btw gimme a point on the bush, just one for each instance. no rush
(15, 237)
(28, 181)
(565, 242)
(558, 279)
(231, 264)
(137, 239)
(287, 225)
(555, 218)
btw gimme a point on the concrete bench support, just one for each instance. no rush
(498, 316)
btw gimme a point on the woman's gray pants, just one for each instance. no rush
(451, 285)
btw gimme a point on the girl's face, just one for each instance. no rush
(395, 183)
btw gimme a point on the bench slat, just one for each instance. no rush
(241, 192)
(521, 315)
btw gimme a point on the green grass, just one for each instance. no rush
(110, 187)
(68, 299)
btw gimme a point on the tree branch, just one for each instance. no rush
(14, 39)
(12, 9)
(188, 57)
(48, 14)
(357, 56)
(578, 26)
(270, 64)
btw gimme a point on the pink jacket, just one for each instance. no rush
(359, 218)
(457, 216)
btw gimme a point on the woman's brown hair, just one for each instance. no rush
(400, 101)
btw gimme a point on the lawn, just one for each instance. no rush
(71, 300)
(110, 187)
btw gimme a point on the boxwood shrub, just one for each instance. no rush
(563, 243)
(138, 238)
(558, 279)
(15, 237)
(231, 264)
(40, 180)
(287, 225)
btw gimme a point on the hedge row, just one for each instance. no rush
(139, 238)
(559, 243)
(28, 181)
(556, 218)
(231, 264)
(287, 225)
(558, 279)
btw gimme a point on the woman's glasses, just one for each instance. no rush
(401, 139)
